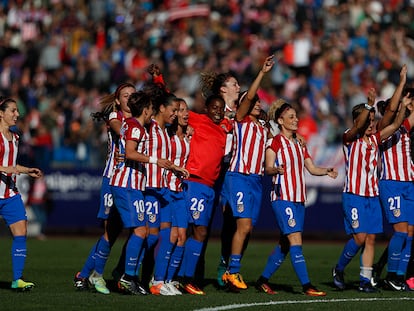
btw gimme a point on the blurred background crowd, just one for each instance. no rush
(59, 57)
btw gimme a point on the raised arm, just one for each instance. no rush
(361, 122)
(390, 129)
(244, 107)
(394, 101)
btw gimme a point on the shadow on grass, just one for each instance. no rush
(5, 285)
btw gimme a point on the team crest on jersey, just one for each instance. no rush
(240, 208)
(152, 218)
(141, 216)
(292, 222)
(196, 215)
(397, 212)
(355, 224)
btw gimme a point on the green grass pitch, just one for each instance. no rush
(52, 263)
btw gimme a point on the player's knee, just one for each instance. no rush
(200, 233)
(244, 230)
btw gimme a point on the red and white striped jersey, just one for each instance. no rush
(158, 146)
(291, 185)
(361, 166)
(249, 142)
(396, 158)
(131, 174)
(228, 149)
(8, 156)
(180, 149)
(112, 144)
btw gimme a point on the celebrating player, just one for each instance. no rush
(286, 159)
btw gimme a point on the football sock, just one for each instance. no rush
(410, 267)
(90, 262)
(133, 250)
(349, 252)
(181, 268)
(299, 264)
(175, 262)
(141, 256)
(394, 250)
(147, 259)
(163, 254)
(405, 256)
(235, 263)
(274, 261)
(101, 255)
(192, 254)
(152, 239)
(365, 274)
(19, 252)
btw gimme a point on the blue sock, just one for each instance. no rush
(175, 262)
(152, 239)
(182, 267)
(101, 255)
(299, 264)
(19, 252)
(192, 254)
(163, 255)
(234, 263)
(405, 256)
(394, 250)
(141, 256)
(349, 252)
(90, 262)
(274, 262)
(133, 250)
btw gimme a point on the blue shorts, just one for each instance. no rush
(290, 216)
(12, 209)
(107, 201)
(244, 194)
(178, 209)
(361, 214)
(131, 207)
(199, 200)
(397, 200)
(156, 206)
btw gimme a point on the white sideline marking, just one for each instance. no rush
(256, 304)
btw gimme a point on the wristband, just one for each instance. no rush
(152, 160)
(368, 107)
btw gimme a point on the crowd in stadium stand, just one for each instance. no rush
(58, 57)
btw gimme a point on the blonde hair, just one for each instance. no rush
(276, 105)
